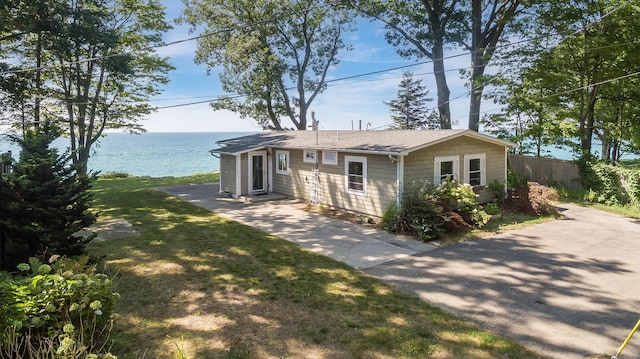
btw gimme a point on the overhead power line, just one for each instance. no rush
(151, 47)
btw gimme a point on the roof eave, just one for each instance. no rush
(236, 153)
(469, 133)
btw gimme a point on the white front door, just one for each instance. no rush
(258, 172)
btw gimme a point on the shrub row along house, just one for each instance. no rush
(362, 171)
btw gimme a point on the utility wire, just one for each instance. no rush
(328, 81)
(151, 47)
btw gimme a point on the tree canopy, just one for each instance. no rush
(274, 55)
(583, 86)
(88, 65)
(424, 29)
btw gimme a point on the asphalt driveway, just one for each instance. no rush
(567, 288)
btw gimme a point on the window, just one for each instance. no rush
(355, 169)
(330, 158)
(445, 167)
(282, 162)
(309, 156)
(475, 170)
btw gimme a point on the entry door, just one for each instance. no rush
(258, 172)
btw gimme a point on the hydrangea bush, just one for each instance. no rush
(427, 211)
(62, 306)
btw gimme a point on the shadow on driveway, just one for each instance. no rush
(567, 288)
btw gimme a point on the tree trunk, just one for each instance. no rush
(476, 60)
(587, 129)
(36, 107)
(444, 108)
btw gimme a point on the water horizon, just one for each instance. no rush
(152, 154)
(177, 154)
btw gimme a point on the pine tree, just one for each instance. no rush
(409, 110)
(48, 199)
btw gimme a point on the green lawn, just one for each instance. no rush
(194, 285)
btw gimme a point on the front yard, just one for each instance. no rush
(194, 285)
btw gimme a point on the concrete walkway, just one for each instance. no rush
(566, 288)
(356, 245)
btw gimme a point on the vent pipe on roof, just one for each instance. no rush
(314, 123)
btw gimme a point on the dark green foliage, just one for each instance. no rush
(47, 199)
(608, 184)
(111, 175)
(498, 189)
(420, 215)
(461, 199)
(277, 64)
(409, 109)
(515, 180)
(428, 211)
(59, 304)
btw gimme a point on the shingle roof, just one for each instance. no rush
(391, 142)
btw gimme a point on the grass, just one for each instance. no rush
(628, 210)
(506, 221)
(194, 285)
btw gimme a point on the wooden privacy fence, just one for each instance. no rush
(547, 171)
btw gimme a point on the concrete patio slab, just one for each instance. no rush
(356, 245)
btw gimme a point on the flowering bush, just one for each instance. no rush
(461, 198)
(63, 304)
(427, 211)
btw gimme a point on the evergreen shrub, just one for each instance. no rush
(419, 215)
(47, 201)
(428, 211)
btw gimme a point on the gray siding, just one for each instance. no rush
(381, 182)
(419, 164)
(228, 173)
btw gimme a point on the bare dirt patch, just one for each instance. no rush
(342, 214)
(110, 229)
(533, 199)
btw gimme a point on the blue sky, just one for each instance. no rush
(342, 104)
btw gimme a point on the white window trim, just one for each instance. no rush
(308, 159)
(333, 162)
(483, 168)
(362, 159)
(278, 170)
(436, 167)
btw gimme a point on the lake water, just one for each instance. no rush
(150, 154)
(171, 154)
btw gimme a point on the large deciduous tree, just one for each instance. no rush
(419, 30)
(92, 63)
(409, 109)
(274, 54)
(423, 29)
(586, 82)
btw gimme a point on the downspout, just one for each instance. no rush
(399, 180)
(269, 170)
(238, 176)
(506, 163)
(219, 171)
